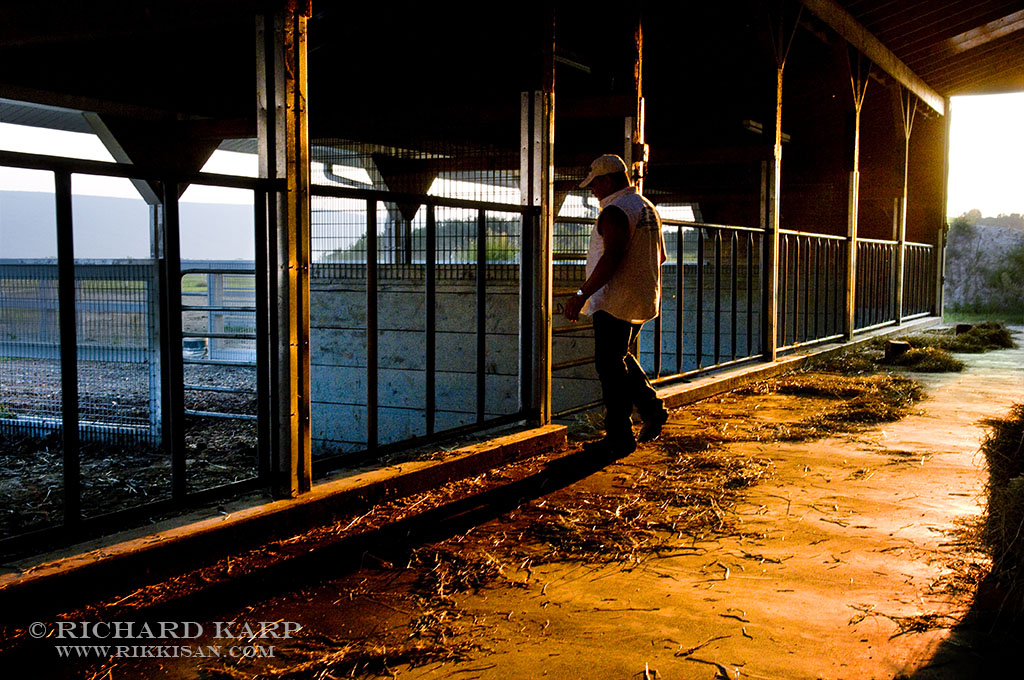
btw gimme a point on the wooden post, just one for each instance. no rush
(909, 108)
(940, 240)
(771, 186)
(859, 83)
(536, 177)
(284, 156)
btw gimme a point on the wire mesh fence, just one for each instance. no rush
(472, 173)
(115, 334)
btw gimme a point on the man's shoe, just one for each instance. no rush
(611, 448)
(652, 427)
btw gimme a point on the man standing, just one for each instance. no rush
(621, 293)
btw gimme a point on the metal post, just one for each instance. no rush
(537, 173)
(170, 348)
(68, 349)
(261, 202)
(481, 315)
(372, 350)
(430, 320)
(679, 298)
(153, 297)
(772, 225)
(284, 155)
(699, 326)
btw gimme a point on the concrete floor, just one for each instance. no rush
(839, 568)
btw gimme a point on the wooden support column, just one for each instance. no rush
(908, 106)
(940, 239)
(859, 82)
(284, 156)
(782, 42)
(537, 173)
(636, 151)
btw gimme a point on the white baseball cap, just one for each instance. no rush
(608, 164)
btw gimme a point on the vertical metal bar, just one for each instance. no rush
(656, 345)
(263, 348)
(809, 244)
(481, 315)
(733, 244)
(68, 349)
(699, 341)
(802, 243)
(430, 346)
(884, 289)
(173, 379)
(372, 415)
(526, 296)
(679, 298)
(718, 295)
(783, 295)
(820, 305)
(750, 293)
(872, 284)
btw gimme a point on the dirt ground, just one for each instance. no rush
(753, 540)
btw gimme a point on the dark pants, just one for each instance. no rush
(623, 382)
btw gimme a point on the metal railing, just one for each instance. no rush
(876, 284)
(712, 316)
(710, 307)
(83, 299)
(476, 261)
(812, 288)
(711, 284)
(918, 280)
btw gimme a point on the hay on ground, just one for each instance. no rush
(929, 360)
(982, 337)
(1004, 527)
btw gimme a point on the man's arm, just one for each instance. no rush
(613, 226)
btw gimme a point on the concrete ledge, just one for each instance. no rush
(128, 559)
(680, 394)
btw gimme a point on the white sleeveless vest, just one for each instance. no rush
(634, 292)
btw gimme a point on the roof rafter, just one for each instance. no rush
(843, 23)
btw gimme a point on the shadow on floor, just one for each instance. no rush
(986, 644)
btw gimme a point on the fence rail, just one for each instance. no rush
(812, 287)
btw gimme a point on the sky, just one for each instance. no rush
(986, 155)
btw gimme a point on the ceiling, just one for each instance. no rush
(375, 70)
(958, 47)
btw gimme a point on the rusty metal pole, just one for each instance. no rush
(284, 156)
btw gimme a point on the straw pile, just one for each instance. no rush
(1004, 453)
(929, 360)
(980, 338)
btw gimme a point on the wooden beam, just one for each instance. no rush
(843, 23)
